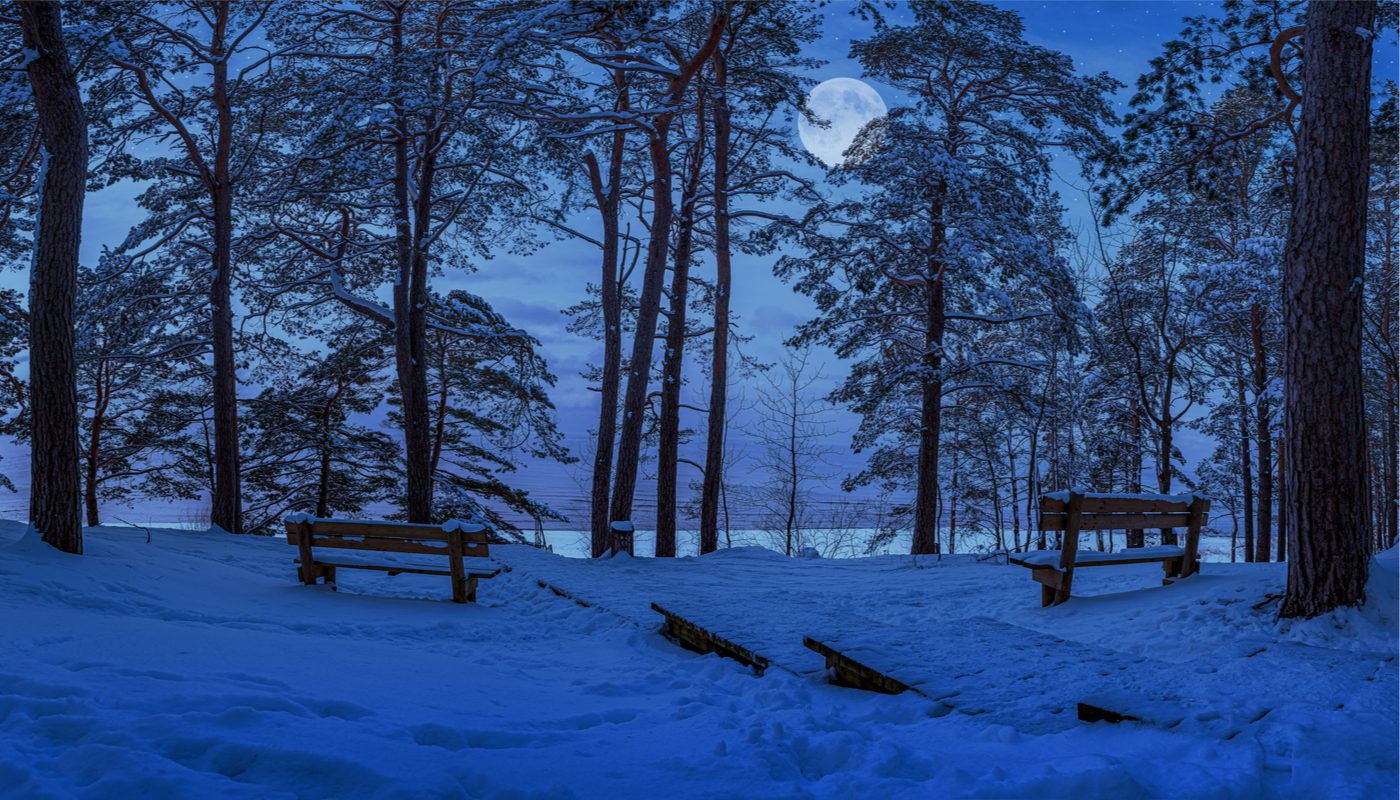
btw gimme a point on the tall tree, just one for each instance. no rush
(404, 163)
(1382, 317)
(673, 352)
(14, 395)
(138, 387)
(177, 82)
(950, 176)
(674, 83)
(310, 449)
(1328, 503)
(752, 75)
(53, 396)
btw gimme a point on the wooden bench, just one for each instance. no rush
(1073, 512)
(463, 544)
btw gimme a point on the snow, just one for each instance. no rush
(465, 526)
(196, 665)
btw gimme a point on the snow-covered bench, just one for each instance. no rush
(463, 544)
(1074, 511)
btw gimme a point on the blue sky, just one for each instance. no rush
(1117, 37)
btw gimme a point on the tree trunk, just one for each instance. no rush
(1246, 473)
(1282, 498)
(1390, 509)
(410, 296)
(1164, 457)
(629, 443)
(930, 395)
(719, 356)
(953, 504)
(94, 454)
(1324, 405)
(607, 196)
(226, 506)
(1264, 543)
(793, 476)
(672, 361)
(53, 386)
(1136, 538)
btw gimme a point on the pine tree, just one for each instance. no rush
(490, 410)
(175, 79)
(138, 373)
(53, 406)
(947, 223)
(1328, 500)
(14, 395)
(405, 126)
(313, 449)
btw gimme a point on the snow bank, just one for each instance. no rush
(196, 666)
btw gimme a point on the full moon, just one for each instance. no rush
(848, 104)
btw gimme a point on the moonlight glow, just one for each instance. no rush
(848, 104)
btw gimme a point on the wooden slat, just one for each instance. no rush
(694, 637)
(479, 572)
(386, 530)
(849, 672)
(1115, 522)
(1116, 505)
(1079, 564)
(1152, 560)
(377, 545)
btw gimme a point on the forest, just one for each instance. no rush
(273, 334)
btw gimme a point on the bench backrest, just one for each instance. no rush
(386, 537)
(1098, 512)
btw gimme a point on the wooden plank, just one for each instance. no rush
(385, 530)
(1115, 522)
(1092, 713)
(1113, 563)
(1115, 505)
(376, 545)
(849, 672)
(396, 569)
(694, 637)
(1149, 560)
(1048, 576)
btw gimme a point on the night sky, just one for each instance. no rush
(1117, 37)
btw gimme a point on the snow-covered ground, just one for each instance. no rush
(196, 666)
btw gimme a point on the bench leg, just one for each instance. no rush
(1047, 596)
(1171, 570)
(459, 590)
(329, 574)
(471, 589)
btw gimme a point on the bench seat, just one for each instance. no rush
(1093, 558)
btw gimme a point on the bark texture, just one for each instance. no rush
(53, 383)
(1328, 492)
(629, 443)
(226, 506)
(607, 194)
(719, 356)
